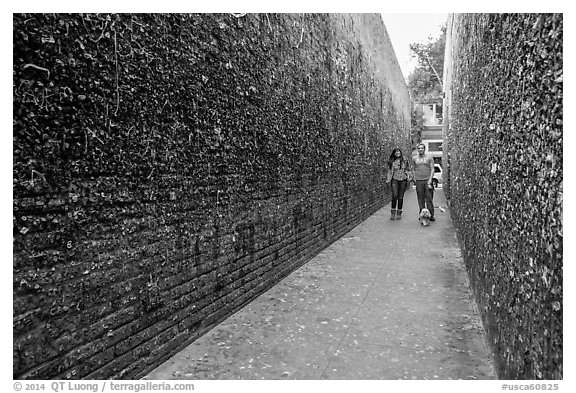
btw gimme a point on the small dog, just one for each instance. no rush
(425, 217)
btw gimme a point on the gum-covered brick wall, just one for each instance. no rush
(504, 146)
(170, 168)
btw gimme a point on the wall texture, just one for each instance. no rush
(168, 169)
(504, 95)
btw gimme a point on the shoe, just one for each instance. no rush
(432, 219)
(392, 214)
(398, 214)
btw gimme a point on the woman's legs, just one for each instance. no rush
(401, 190)
(395, 190)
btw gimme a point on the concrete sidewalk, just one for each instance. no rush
(389, 300)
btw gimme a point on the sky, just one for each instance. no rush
(405, 29)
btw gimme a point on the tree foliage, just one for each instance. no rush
(425, 82)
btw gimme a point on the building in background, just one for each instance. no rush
(431, 127)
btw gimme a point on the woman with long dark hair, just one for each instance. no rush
(398, 176)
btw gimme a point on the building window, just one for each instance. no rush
(434, 146)
(439, 110)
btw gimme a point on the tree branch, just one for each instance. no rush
(434, 69)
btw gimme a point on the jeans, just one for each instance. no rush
(398, 189)
(425, 195)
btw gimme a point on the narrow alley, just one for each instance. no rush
(389, 300)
